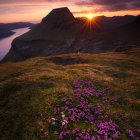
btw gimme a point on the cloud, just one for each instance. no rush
(28, 1)
(98, 5)
(111, 5)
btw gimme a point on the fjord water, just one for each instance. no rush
(5, 44)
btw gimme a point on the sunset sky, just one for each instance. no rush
(35, 10)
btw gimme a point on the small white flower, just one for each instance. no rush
(63, 116)
(66, 121)
(63, 123)
(53, 119)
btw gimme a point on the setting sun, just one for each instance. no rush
(90, 16)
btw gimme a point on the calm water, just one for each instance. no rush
(5, 44)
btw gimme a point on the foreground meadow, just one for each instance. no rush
(32, 89)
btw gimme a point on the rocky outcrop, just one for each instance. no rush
(59, 16)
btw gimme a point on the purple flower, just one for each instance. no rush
(116, 135)
(129, 133)
(90, 118)
(75, 130)
(83, 109)
(56, 110)
(64, 134)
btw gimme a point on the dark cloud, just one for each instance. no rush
(100, 5)
(112, 5)
(27, 1)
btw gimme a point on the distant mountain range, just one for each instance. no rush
(5, 33)
(59, 33)
(6, 28)
(107, 23)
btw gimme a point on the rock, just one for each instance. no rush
(59, 15)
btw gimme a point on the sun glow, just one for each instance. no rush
(90, 16)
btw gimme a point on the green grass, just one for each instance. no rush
(31, 88)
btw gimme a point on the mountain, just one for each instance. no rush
(54, 35)
(117, 39)
(62, 15)
(108, 23)
(12, 26)
(121, 38)
(60, 32)
(6, 28)
(5, 33)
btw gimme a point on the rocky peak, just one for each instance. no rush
(59, 15)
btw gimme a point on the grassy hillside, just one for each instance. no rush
(30, 89)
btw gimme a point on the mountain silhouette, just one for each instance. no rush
(60, 15)
(60, 32)
(119, 39)
(54, 35)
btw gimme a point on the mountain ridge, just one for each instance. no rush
(57, 34)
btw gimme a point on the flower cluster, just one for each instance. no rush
(104, 128)
(129, 133)
(86, 89)
(82, 134)
(72, 111)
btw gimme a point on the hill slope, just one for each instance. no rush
(30, 89)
